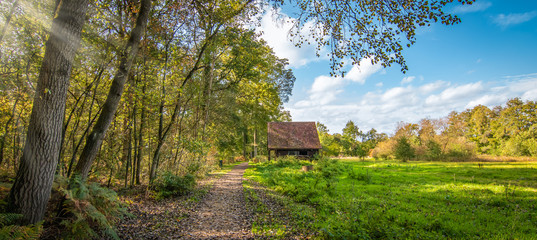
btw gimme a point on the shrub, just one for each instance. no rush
(88, 210)
(531, 146)
(170, 185)
(258, 159)
(460, 148)
(240, 158)
(384, 149)
(286, 161)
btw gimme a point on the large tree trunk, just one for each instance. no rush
(95, 139)
(31, 189)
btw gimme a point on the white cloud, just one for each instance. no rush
(408, 79)
(275, 31)
(454, 94)
(508, 20)
(380, 84)
(382, 110)
(360, 73)
(478, 6)
(431, 87)
(325, 89)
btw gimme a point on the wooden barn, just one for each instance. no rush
(299, 139)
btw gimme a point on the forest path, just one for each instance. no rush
(223, 212)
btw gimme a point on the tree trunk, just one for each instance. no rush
(94, 140)
(156, 155)
(31, 189)
(140, 140)
(135, 138)
(255, 142)
(244, 142)
(6, 131)
(8, 20)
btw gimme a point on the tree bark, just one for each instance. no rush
(31, 189)
(95, 139)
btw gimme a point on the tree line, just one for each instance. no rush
(351, 142)
(505, 130)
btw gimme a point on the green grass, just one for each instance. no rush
(414, 200)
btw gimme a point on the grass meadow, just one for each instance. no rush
(353, 199)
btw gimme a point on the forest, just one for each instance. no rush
(194, 90)
(106, 101)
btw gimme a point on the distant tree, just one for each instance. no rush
(403, 149)
(321, 128)
(351, 131)
(434, 151)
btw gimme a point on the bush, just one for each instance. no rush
(460, 148)
(170, 185)
(384, 149)
(286, 161)
(258, 159)
(531, 146)
(88, 210)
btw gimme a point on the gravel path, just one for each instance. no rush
(222, 214)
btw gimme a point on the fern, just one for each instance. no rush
(9, 218)
(8, 229)
(92, 209)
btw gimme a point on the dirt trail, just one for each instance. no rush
(222, 214)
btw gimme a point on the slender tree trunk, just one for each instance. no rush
(134, 137)
(140, 140)
(255, 142)
(163, 131)
(31, 189)
(8, 20)
(245, 141)
(6, 131)
(156, 155)
(94, 140)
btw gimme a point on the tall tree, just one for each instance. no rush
(95, 138)
(31, 189)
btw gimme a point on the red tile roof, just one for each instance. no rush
(293, 135)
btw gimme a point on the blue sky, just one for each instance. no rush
(487, 59)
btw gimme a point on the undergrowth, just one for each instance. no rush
(9, 229)
(88, 210)
(170, 185)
